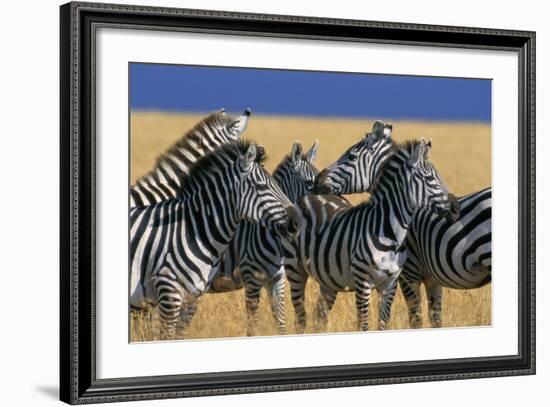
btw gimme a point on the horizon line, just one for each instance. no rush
(312, 116)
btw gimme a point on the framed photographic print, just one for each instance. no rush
(257, 203)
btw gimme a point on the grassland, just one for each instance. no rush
(461, 152)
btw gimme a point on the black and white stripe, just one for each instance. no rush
(359, 165)
(255, 257)
(176, 245)
(443, 253)
(360, 248)
(163, 181)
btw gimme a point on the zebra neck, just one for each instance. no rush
(171, 167)
(388, 226)
(214, 218)
(164, 178)
(390, 208)
(283, 177)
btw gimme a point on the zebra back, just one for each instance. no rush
(456, 254)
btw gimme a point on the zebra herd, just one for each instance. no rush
(208, 218)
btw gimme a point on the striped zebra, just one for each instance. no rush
(360, 248)
(255, 258)
(443, 253)
(366, 157)
(176, 245)
(163, 181)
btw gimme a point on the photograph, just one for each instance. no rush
(256, 201)
(265, 202)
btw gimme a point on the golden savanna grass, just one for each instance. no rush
(461, 152)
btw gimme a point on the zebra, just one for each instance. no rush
(360, 248)
(176, 245)
(440, 252)
(364, 158)
(254, 258)
(163, 181)
(443, 253)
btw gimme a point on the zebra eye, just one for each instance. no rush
(309, 184)
(353, 156)
(262, 185)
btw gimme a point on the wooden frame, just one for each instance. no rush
(77, 249)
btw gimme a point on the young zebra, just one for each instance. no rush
(163, 181)
(176, 245)
(254, 258)
(443, 253)
(363, 247)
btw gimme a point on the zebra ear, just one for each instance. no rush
(311, 155)
(296, 154)
(249, 157)
(238, 126)
(377, 133)
(378, 129)
(427, 148)
(417, 154)
(388, 130)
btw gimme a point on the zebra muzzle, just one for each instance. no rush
(450, 210)
(291, 227)
(455, 207)
(454, 212)
(321, 185)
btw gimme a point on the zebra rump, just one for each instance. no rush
(443, 253)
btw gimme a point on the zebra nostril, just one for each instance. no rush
(455, 207)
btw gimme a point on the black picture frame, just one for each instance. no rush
(78, 382)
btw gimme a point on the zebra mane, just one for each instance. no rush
(397, 153)
(231, 150)
(194, 135)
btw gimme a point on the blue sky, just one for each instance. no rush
(184, 88)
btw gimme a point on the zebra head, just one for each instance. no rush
(237, 126)
(296, 174)
(219, 127)
(356, 170)
(425, 187)
(261, 199)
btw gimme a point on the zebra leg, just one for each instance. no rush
(169, 299)
(297, 280)
(362, 301)
(384, 305)
(276, 289)
(434, 292)
(252, 300)
(324, 305)
(410, 287)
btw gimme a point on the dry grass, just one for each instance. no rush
(461, 152)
